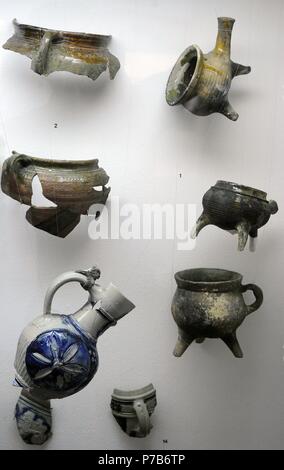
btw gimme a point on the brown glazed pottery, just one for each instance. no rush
(235, 207)
(208, 303)
(201, 82)
(68, 184)
(51, 51)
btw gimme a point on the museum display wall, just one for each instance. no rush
(148, 153)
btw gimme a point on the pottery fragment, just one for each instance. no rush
(53, 51)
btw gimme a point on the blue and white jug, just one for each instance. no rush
(57, 355)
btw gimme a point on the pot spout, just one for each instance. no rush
(223, 40)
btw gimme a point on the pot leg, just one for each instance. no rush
(182, 345)
(238, 69)
(200, 224)
(252, 240)
(232, 342)
(243, 231)
(33, 416)
(228, 111)
(199, 340)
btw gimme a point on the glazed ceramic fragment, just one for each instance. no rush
(57, 354)
(236, 208)
(132, 410)
(209, 303)
(33, 418)
(51, 51)
(68, 184)
(201, 82)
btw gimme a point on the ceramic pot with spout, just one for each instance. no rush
(235, 208)
(201, 82)
(57, 354)
(209, 303)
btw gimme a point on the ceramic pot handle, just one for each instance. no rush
(258, 297)
(142, 416)
(58, 282)
(39, 62)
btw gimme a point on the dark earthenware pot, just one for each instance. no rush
(231, 206)
(208, 303)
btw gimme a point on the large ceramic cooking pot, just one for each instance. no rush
(208, 303)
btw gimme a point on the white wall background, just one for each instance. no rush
(207, 398)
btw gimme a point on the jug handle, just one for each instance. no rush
(86, 282)
(258, 297)
(143, 417)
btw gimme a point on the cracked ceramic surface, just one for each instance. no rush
(209, 303)
(73, 186)
(51, 51)
(57, 354)
(235, 208)
(201, 82)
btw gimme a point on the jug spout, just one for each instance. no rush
(223, 40)
(103, 308)
(97, 317)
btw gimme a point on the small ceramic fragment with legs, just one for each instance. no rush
(236, 209)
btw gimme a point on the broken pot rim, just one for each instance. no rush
(102, 39)
(241, 189)
(189, 90)
(56, 162)
(143, 393)
(225, 280)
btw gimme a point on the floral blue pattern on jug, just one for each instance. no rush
(61, 360)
